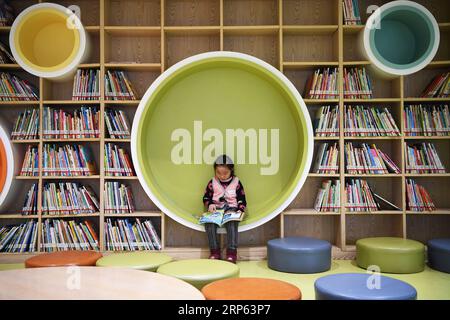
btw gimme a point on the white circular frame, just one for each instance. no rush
(377, 63)
(71, 67)
(10, 167)
(205, 56)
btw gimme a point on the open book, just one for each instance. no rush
(220, 217)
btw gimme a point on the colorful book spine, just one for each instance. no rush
(126, 235)
(328, 197)
(368, 160)
(426, 120)
(327, 121)
(83, 123)
(360, 196)
(67, 160)
(327, 159)
(117, 161)
(68, 198)
(423, 158)
(323, 84)
(417, 197)
(6, 56)
(117, 124)
(30, 165)
(351, 12)
(7, 14)
(12, 88)
(86, 85)
(26, 126)
(19, 238)
(118, 198)
(62, 235)
(360, 121)
(118, 86)
(30, 206)
(439, 87)
(357, 84)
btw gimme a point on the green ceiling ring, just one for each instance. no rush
(222, 90)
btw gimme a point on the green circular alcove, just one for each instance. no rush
(215, 94)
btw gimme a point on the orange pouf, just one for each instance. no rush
(3, 166)
(251, 289)
(64, 258)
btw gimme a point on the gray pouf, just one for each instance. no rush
(299, 255)
(439, 254)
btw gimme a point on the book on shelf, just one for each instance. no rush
(360, 196)
(30, 206)
(68, 198)
(117, 124)
(19, 238)
(12, 88)
(221, 216)
(118, 86)
(67, 160)
(417, 197)
(126, 235)
(326, 122)
(86, 85)
(426, 120)
(357, 84)
(368, 159)
(62, 235)
(439, 87)
(328, 197)
(361, 121)
(30, 164)
(323, 84)
(117, 162)
(7, 14)
(82, 123)
(26, 126)
(118, 198)
(6, 56)
(351, 12)
(422, 158)
(327, 159)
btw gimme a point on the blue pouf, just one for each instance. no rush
(439, 254)
(354, 286)
(299, 255)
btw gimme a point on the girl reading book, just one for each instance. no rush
(224, 192)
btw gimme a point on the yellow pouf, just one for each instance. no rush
(11, 266)
(142, 260)
(200, 272)
(391, 255)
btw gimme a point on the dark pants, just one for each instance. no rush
(232, 235)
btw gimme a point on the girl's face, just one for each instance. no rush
(222, 172)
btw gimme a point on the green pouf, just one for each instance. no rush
(11, 266)
(200, 272)
(148, 261)
(391, 255)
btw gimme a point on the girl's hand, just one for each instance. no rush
(212, 208)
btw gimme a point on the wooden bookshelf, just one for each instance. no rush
(146, 37)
